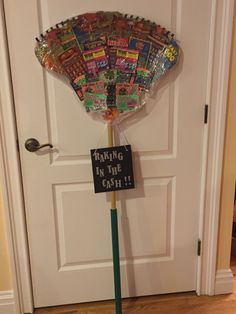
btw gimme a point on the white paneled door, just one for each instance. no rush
(68, 225)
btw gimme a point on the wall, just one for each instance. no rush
(5, 277)
(229, 168)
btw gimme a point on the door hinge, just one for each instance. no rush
(199, 247)
(17, 145)
(206, 114)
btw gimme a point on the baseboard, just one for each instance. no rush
(224, 281)
(7, 305)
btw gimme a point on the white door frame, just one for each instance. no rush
(11, 184)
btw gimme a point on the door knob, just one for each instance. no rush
(33, 145)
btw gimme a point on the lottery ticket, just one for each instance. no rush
(144, 47)
(126, 60)
(93, 87)
(126, 89)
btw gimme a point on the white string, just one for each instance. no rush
(122, 133)
(101, 138)
(119, 131)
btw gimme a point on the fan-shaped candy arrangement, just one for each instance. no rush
(110, 59)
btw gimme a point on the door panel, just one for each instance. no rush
(68, 225)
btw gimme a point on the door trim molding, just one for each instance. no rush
(217, 100)
(11, 184)
(11, 174)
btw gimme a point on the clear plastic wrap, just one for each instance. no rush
(111, 60)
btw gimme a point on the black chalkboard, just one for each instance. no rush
(112, 168)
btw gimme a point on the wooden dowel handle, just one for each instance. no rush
(110, 135)
(110, 144)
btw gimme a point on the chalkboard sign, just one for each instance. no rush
(112, 168)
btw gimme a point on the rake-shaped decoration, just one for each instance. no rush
(111, 60)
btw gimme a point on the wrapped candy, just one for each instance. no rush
(111, 60)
